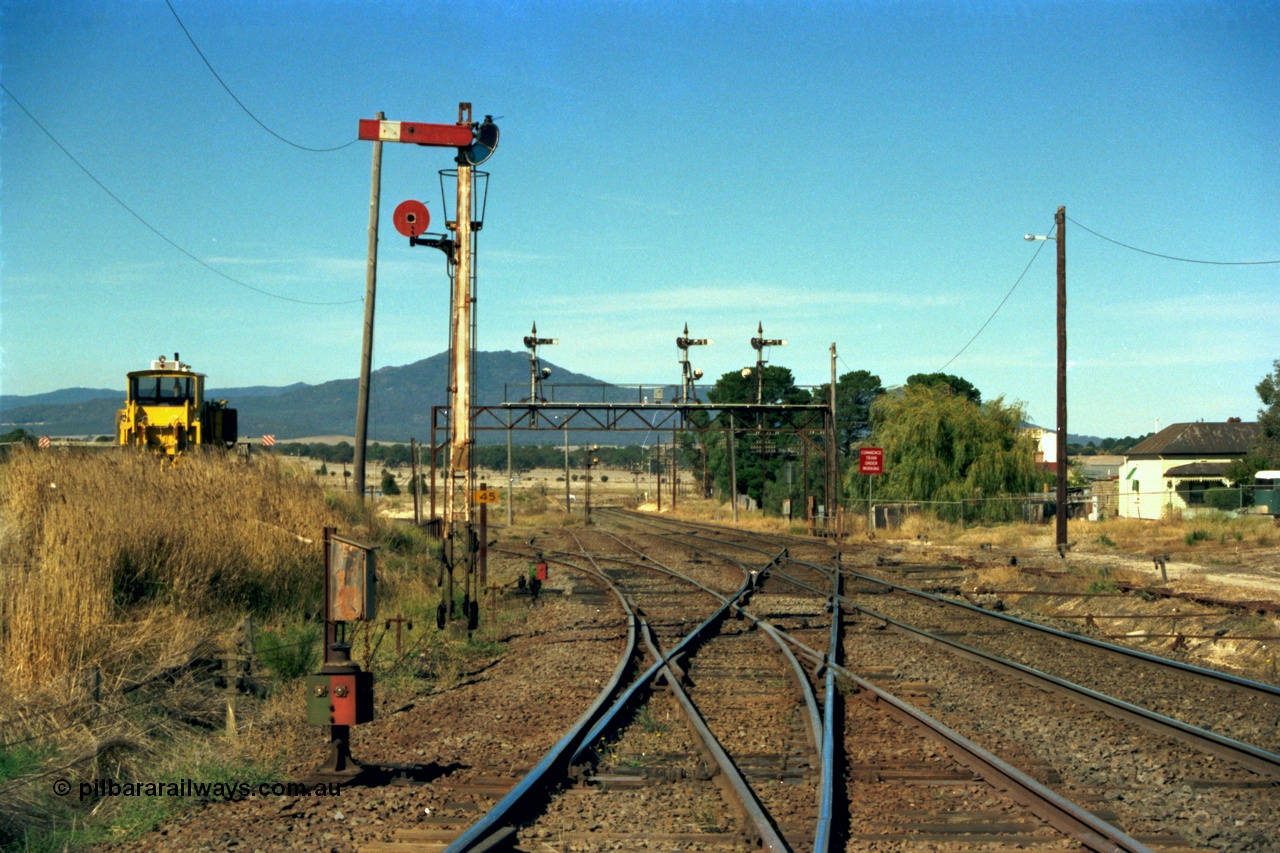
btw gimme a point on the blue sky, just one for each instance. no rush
(851, 172)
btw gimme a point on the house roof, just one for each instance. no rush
(1198, 440)
(1198, 469)
(1103, 471)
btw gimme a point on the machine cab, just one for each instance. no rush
(165, 388)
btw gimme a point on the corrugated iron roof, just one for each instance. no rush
(1199, 469)
(1198, 439)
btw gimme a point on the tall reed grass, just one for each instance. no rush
(100, 548)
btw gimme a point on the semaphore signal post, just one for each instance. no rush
(475, 143)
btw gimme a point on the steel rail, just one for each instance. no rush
(826, 803)
(1254, 758)
(497, 824)
(669, 525)
(1249, 756)
(822, 727)
(765, 832)
(1191, 669)
(719, 529)
(1094, 832)
(1157, 660)
(811, 701)
(1091, 830)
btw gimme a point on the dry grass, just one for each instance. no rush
(105, 553)
(121, 569)
(1216, 535)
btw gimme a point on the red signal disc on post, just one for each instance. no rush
(411, 218)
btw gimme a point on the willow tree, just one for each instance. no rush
(941, 446)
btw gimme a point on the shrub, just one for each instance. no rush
(291, 654)
(1195, 536)
(1226, 500)
(389, 486)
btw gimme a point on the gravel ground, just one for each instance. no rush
(1151, 785)
(494, 726)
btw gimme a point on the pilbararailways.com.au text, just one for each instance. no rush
(231, 790)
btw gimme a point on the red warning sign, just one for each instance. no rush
(411, 218)
(871, 460)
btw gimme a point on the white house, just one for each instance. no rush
(1046, 441)
(1170, 471)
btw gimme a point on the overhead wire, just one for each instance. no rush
(151, 227)
(240, 103)
(1039, 249)
(1169, 257)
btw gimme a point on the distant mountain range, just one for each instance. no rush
(400, 402)
(399, 406)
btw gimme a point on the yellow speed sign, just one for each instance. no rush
(484, 496)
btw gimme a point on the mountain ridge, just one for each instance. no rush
(400, 401)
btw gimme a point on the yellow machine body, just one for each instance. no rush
(165, 411)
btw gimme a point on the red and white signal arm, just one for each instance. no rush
(44, 441)
(411, 218)
(268, 440)
(443, 135)
(870, 460)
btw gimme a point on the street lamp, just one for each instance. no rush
(1060, 237)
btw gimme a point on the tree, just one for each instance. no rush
(955, 384)
(389, 486)
(17, 436)
(1264, 454)
(759, 454)
(855, 392)
(941, 446)
(1268, 442)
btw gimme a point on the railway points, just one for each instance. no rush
(682, 686)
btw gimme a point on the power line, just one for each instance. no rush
(247, 111)
(1169, 257)
(1039, 249)
(147, 224)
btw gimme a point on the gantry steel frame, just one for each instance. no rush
(804, 421)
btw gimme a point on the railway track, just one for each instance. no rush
(688, 687)
(756, 746)
(1031, 812)
(1181, 787)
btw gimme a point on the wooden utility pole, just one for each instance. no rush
(413, 472)
(659, 448)
(370, 288)
(511, 482)
(1061, 221)
(586, 486)
(833, 465)
(675, 471)
(433, 462)
(733, 471)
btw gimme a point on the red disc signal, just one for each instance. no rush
(411, 218)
